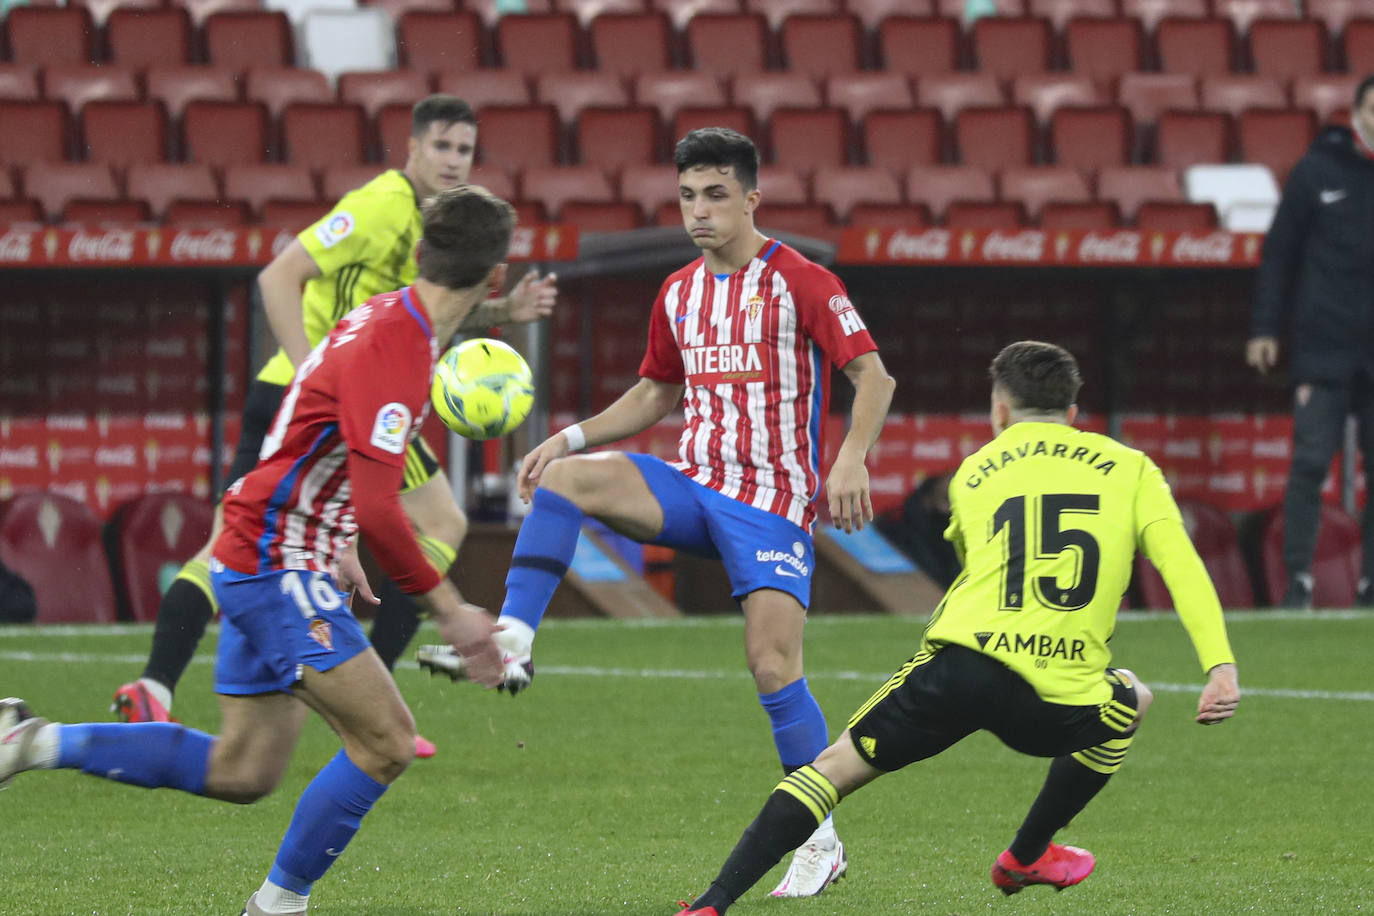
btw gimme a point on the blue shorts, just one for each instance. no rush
(272, 625)
(759, 549)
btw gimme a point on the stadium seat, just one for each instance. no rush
(1044, 93)
(1229, 186)
(1098, 216)
(842, 189)
(918, 46)
(1059, 12)
(480, 88)
(177, 85)
(20, 211)
(33, 132)
(216, 213)
(53, 542)
(431, 41)
(777, 12)
(1008, 47)
(860, 93)
(519, 138)
(75, 86)
(296, 10)
(890, 216)
(1201, 47)
(397, 9)
(393, 136)
(951, 93)
(725, 44)
(1176, 217)
(122, 133)
(936, 186)
(224, 133)
(1243, 13)
(1234, 93)
(628, 44)
(338, 180)
(810, 220)
(896, 139)
(959, 9)
(1275, 137)
(1149, 12)
(588, 11)
(491, 11)
(575, 90)
(1090, 138)
(1215, 538)
(150, 537)
(1334, 14)
(994, 138)
(293, 216)
(201, 10)
(257, 184)
(1184, 138)
(669, 90)
(1325, 94)
(595, 216)
(781, 185)
(1034, 187)
(18, 82)
(969, 214)
(649, 186)
(1357, 46)
(1130, 186)
(337, 41)
(691, 117)
(317, 136)
(1286, 49)
(102, 9)
(103, 212)
(536, 43)
(820, 45)
(809, 139)
(871, 13)
(56, 184)
(554, 187)
(238, 40)
(158, 184)
(1148, 95)
(139, 37)
(615, 137)
(1103, 49)
(495, 180)
(277, 87)
(1335, 565)
(680, 12)
(764, 92)
(48, 36)
(375, 89)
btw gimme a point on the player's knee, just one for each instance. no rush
(1144, 696)
(243, 785)
(580, 479)
(772, 670)
(385, 755)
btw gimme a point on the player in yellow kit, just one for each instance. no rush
(1047, 520)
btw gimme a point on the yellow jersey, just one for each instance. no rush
(1047, 520)
(365, 246)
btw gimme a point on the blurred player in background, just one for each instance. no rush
(363, 247)
(286, 560)
(748, 333)
(1047, 520)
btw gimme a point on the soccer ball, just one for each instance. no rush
(482, 389)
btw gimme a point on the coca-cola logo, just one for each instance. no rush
(1216, 248)
(522, 242)
(25, 456)
(16, 245)
(213, 245)
(111, 245)
(75, 422)
(1023, 246)
(121, 456)
(167, 348)
(931, 245)
(117, 384)
(164, 421)
(1118, 248)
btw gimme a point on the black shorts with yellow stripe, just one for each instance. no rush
(260, 409)
(940, 697)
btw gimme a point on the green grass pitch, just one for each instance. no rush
(621, 780)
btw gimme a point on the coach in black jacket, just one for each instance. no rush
(1316, 277)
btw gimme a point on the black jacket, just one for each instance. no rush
(1317, 271)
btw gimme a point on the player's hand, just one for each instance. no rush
(1220, 697)
(1262, 353)
(551, 449)
(352, 577)
(847, 488)
(470, 630)
(532, 298)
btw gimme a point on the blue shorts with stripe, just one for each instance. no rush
(758, 549)
(275, 624)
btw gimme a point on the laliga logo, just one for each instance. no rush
(393, 421)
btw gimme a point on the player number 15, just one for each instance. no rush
(1054, 538)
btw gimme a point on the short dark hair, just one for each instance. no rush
(466, 233)
(439, 109)
(1037, 375)
(1366, 84)
(719, 146)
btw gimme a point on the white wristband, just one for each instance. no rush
(576, 438)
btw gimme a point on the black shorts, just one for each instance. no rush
(938, 698)
(260, 409)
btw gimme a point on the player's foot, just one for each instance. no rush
(251, 908)
(1059, 867)
(819, 863)
(1364, 593)
(424, 748)
(17, 727)
(134, 703)
(1298, 595)
(445, 660)
(704, 911)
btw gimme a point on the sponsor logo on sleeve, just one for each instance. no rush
(844, 310)
(391, 431)
(335, 228)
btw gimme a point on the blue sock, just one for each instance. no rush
(326, 818)
(154, 755)
(798, 726)
(543, 550)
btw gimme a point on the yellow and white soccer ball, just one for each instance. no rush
(482, 388)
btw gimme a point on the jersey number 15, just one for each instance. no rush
(1053, 540)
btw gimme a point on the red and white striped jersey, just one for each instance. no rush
(754, 349)
(364, 389)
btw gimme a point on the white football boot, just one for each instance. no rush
(515, 643)
(17, 727)
(819, 863)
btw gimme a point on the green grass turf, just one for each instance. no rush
(622, 779)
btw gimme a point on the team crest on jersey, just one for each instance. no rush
(754, 306)
(335, 228)
(322, 633)
(391, 431)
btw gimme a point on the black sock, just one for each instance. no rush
(1068, 789)
(398, 617)
(181, 619)
(782, 826)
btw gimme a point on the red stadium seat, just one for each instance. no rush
(1104, 49)
(1035, 187)
(1202, 47)
(820, 45)
(138, 37)
(781, 185)
(1003, 8)
(278, 87)
(201, 10)
(778, 12)
(537, 42)
(18, 82)
(33, 132)
(764, 92)
(20, 211)
(257, 184)
(1243, 13)
(727, 44)
(1176, 217)
(1335, 566)
(897, 139)
(917, 47)
(480, 88)
(494, 180)
(597, 216)
(669, 90)
(1325, 94)
(431, 41)
(48, 36)
(158, 184)
(240, 40)
(964, 214)
(649, 186)
(1148, 95)
(375, 89)
(938, 185)
(1234, 93)
(1336, 13)
(398, 8)
(317, 136)
(152, 533)
(101, 212)
(680, 12)
(574, 91)
(1276, 138)
(1184, 138)
(491, 11)
(1090, 138)
(101, 10)
(1044, 93)
(871, 13)
(627, 44)
(75, 86)
(1215, 538)
(519, 138)
(692, 117)
(890, 216)
(614, 138)
(1287, 48)
(1008, 47)
(809, 139)
(588, 11)
(206, 213)
(294, 216)
(811, 220)
(56, 184)
(860, 93)
(842, 189)
(175, 86)
(1130, 186)
(224, 133)
(554, 187)
(122, 133)
(1358, 46)
(994, 138)
(951, 93)
(1059, 12)
(338, 180)
(54, 543)
(1083, 215)
(1150, 12)
(393, 135)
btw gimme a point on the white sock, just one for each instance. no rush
(43, 752)
(274, 899)
(160, 692)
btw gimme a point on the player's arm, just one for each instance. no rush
(847, 486)
(280, 284)
(532, 298)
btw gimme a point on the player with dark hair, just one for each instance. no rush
(742, 340)
(364, 246)
(1047, 520)
(286, 560)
